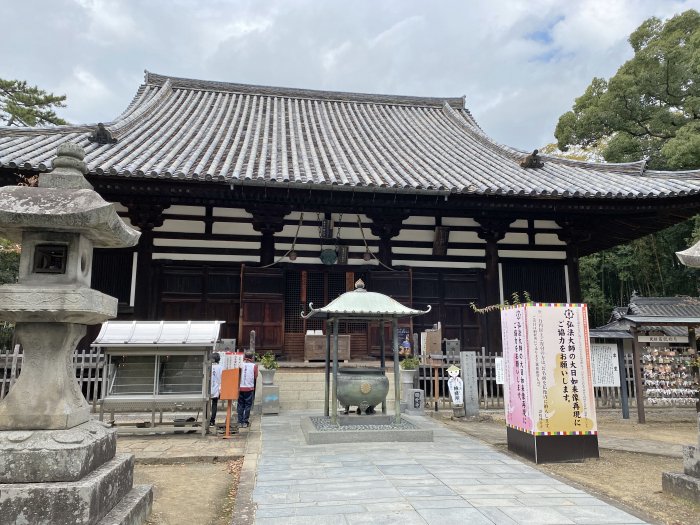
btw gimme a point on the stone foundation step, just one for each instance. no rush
(69, 502)
(304, 390)
(133, 509)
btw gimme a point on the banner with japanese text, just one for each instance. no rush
(557, 362)
(516, 385)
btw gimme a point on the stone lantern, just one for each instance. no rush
(56, 464)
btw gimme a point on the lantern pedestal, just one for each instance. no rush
(552, 449)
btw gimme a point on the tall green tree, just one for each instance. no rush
(25, 105)
(650, 109)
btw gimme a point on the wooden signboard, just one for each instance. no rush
(230, 380)
(315, 347)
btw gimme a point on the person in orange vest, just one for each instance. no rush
(246, 391)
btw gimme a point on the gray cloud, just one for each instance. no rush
(519, 64)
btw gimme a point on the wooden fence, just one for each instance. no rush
(433, 373)
(432, 378)
(88, 363)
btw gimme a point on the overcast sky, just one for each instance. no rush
(520, 63)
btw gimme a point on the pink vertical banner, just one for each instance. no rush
(516, 367)
(563, 401)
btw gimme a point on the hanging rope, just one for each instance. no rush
(340, 226)
(362, 231)
(294, 242)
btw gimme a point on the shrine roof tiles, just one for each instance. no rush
(241, 134)
(664, 307)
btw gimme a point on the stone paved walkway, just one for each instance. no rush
(455, 479)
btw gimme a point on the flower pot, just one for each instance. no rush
(268, 375)
(407, 377)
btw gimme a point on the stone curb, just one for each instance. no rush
(244, 507)
(186, 459)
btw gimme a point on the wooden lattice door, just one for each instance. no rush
(262, 308)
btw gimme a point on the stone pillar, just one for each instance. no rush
(492, 230)
(145, 216)
(32, 402)
(386, 225)
(268, 220)
(56, 464)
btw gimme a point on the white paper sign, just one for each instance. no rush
(231, 360)
(662, 338)
(499, 370)
(456, 387)
(605, 365)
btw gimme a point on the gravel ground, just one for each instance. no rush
(634, 480)
(323, 424)
(197, 493)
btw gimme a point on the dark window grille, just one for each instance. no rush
(293, 323)
(315, 294)
(543, 280)
(111, 272)
(336, 285)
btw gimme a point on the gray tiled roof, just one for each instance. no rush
(663, 308)
(198, 130)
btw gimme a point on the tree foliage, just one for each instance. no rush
(9, 261)
(651, 107)
(25, 105)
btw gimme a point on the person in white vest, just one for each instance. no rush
(246, 391)
(215, 392)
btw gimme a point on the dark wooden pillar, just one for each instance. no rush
(145, 216)
(268, 220)
(573, 234)
(638, 371)
(386, 226)
(493, 230)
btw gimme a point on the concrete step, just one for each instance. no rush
(133, 509)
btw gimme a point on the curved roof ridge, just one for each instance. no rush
(686, 174)
(340, 96)
(135, 112)
(140, 110)
(470, 126)
(11, 131)
(628, 168)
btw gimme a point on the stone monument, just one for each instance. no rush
(687, 484)
(57, 466)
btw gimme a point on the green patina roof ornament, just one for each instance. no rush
(360, 303)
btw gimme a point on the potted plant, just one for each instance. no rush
(268, 365)
(409, 365)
